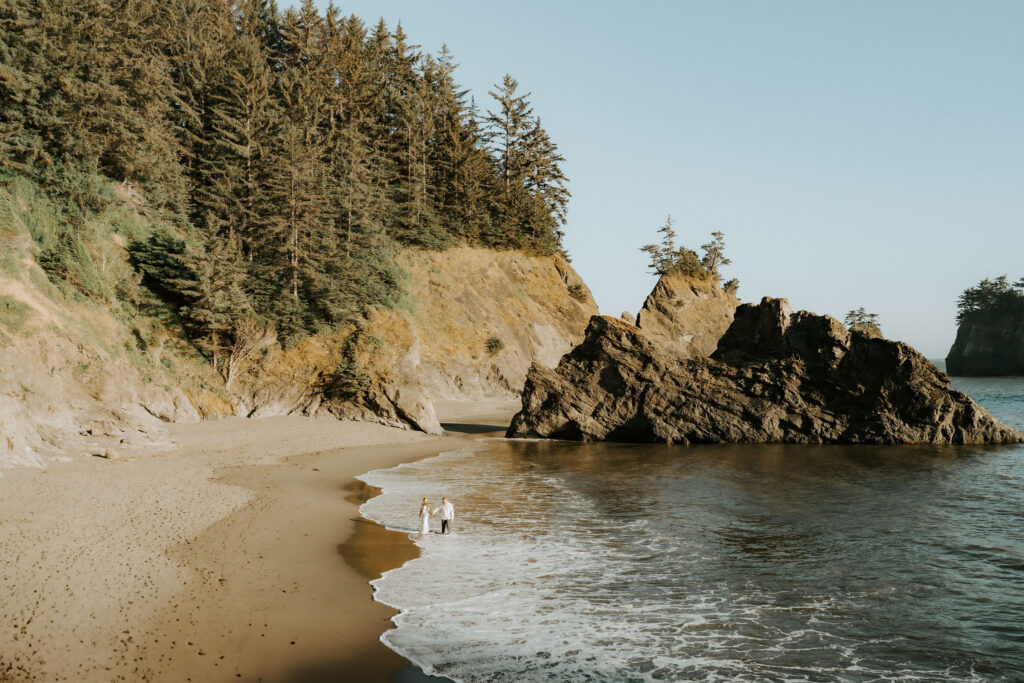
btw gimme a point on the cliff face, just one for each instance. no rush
(687, 316)
(97, 366)
(473, 322)
(482, 317)
(988, 348)
(73, 379)
(775, 377)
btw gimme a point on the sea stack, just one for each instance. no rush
(775, 377)
(988, 348)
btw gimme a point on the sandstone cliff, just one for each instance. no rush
(774, 377)
(687, 315)
(73, 379)
(991, 347)
(473, 322)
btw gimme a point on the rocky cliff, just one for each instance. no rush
(687, 315)
(92, 373)
(73, 379)
(988, 347)
(472, 323)
(775, 376)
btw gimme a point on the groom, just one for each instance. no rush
(447, 511)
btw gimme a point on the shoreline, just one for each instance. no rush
(489, 420)
(218, 560)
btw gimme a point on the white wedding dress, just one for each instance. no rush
(425, 519)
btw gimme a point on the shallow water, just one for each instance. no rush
(614, 562)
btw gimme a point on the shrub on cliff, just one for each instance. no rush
(860, 320)
(667, 257)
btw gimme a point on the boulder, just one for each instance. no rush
(775, 377)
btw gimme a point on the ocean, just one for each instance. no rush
(619, 562)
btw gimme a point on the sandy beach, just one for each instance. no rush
(238, 555)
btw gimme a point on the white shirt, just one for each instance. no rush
(447, 511)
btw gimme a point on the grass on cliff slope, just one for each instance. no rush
(79, 229)
(13, 314)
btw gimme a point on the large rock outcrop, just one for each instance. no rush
(776, 377)
(687, 315)
(988, 348)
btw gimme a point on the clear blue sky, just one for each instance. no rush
(854, 153)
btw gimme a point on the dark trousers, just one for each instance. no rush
(444, 526)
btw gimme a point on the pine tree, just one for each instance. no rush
(215, 293)
(860, 320)
(22, 70)
(714, 254)
(668, 257)
(234, 166)
(545, 183)
(508, 135)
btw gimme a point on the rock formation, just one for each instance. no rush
(687, 315)
(775, 377)
(988, 347)
(66, 385)
(439, 345)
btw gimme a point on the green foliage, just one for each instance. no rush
(160, 258)
(349, 380)
(991, 300)
(862, 321)
(732, 286)
(254, 162)
(13, 313)
(714, 254)
(577, 291)
(668, 257)
(494, 345)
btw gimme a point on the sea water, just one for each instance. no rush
(616, 562)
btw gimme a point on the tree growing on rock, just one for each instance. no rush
(667, 256)
(990, 299)
(860, 320)
(714, 254)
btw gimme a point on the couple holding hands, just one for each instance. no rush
(447, 511)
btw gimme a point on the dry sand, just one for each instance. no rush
(239, 555)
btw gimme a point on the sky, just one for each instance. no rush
(853, 153)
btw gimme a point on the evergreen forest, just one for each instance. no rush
(284, 156)
(991, 300)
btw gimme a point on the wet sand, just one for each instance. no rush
(240, 555)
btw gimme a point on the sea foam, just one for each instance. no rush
(582, 566)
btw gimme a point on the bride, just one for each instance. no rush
(425, 515)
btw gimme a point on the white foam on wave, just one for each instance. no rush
(537, 583)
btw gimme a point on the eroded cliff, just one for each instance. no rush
(988, 348)
(74, 380)
(472, 323)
